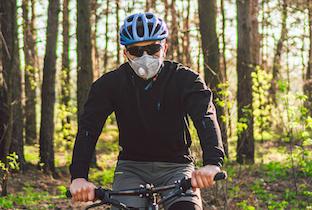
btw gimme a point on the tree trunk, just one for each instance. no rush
(34, 37)
(277, 55)
(247, 59)
(186, 36)
(95, 52)
(150, 5)
(174, 32)
(84, 54)
(147, 5)
(17, 144)
(9, 47)
(65, 74)
(308, 76)
(166, 11)
(30, 77)
(170, 28)
(85, 73)
(106, 37)
(224, 71)
(210, 48)
(48, 90)
(117, 30)
(3, 94)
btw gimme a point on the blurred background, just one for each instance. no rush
(255, 55)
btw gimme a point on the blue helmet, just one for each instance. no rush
(141, 27)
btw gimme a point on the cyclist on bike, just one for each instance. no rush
(152, 99)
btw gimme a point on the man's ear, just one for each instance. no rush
(166, 48)
(125, 54)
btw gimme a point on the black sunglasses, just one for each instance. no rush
(139, 50)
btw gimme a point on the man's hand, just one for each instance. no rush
(82, 190)
(203, 177)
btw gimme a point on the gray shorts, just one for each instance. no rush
(132, 174)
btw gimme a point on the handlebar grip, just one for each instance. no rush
(188, 184)
(68, 194)
(220, 175)
(98, 193)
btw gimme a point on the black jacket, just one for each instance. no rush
(151, 117)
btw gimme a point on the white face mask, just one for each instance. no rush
(146, 66)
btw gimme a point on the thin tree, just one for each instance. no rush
(48, 90)
(210, 48)
(150, 5)
(17, 144)
(186, 36)
(224, 68)
(30, 76)
(106, 36)
(247, 58)
(33, 46)
(65, 73)
(117, 30)
(95, 51)
(168, 10)
(174, 32)
(278, 53)
(308, 76)
(147, 5)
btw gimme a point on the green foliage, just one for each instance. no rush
(108, 176)
(261, 81)
(31, 72)
(103, 177)
(32, 154)
(61, 191)
(276, 170)
(222, 96)
(195, 147)
(271, 200)
(65, 131)
(306, 167)
(12, 163)
(242, 123)
(28, 198)
(244, 205)
(273, 205)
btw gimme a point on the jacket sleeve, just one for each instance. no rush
(96, 110)
(197, 100)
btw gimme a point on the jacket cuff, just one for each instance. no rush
(215, 161)
(78, 172)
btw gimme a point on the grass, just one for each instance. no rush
(27, 198)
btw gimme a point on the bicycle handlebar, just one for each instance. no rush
(184, 184)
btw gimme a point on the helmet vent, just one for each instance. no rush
(149, 16)
(130, 19)
(157, 28)
(125, 33)
(129, 28)
(150, 27)
(140, 29)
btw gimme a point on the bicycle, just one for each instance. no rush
(148, 191)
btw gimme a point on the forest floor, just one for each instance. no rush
(270, 183)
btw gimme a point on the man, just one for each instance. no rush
(151, 99)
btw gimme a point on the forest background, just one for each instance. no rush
(255, 55)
